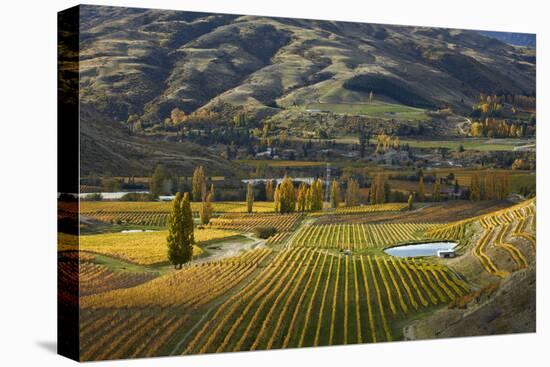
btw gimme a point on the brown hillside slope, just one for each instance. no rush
(146, 62)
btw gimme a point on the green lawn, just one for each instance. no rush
(481, 144)
(280, 163)
(375, 109)
(468, 144)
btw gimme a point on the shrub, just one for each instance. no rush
(264, 232)
(93, 197)
(136, 196)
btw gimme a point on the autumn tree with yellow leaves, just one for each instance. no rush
(334, 194)
(352, 193)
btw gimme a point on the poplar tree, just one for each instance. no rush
(269, 190)
(457, 187)
(489, 187)
(198, 184)
(387, 191)
(188, 235)
(180, 238)
(334, 194)
(249, 197)
(319, 193)
(410, 202)
(287, 199)
(302, 197)
(309, 196)
(421, 193)
(175, 229)
(378, 190)
(160, 182)
(205, 212)
(372, 191)
(212, 193)
(475, 188)
(204, 190)
(436, 195)
(352, 193)
(505, 185)
(381, 191)
(316, 195)
(277, 199)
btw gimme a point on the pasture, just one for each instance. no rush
(375, 109)
(480, 144)
(144, 248)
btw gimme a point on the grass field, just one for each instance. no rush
(145, 248)
(480, 144)
(464, 175)
(375, 109)
(280, 163)
(518, 178)
(468, 144)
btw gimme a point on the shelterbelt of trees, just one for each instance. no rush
(494, 128)
(509, 116)
(288, 199)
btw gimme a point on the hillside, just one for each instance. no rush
(501, 259)
(147, 62)
(518, 39)
(107, 147)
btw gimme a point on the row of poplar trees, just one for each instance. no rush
(351, 197)
(490, 186)
(288, 199)
(181, 237)
(200, 193)
(380, 191)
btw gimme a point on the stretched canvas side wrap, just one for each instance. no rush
(239, 183)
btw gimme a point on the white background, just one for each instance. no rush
(28, 181)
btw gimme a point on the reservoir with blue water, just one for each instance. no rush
(420, 249)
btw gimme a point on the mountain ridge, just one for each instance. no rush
(517, 39)
(147, 62)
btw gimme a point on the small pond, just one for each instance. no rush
(111, 195)
(419, 249)
(137, 231)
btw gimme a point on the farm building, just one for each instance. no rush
(445, 254)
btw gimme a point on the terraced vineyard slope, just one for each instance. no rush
(307, 297)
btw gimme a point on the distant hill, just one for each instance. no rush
(518, 39)
(145, 63)
(107, 147)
